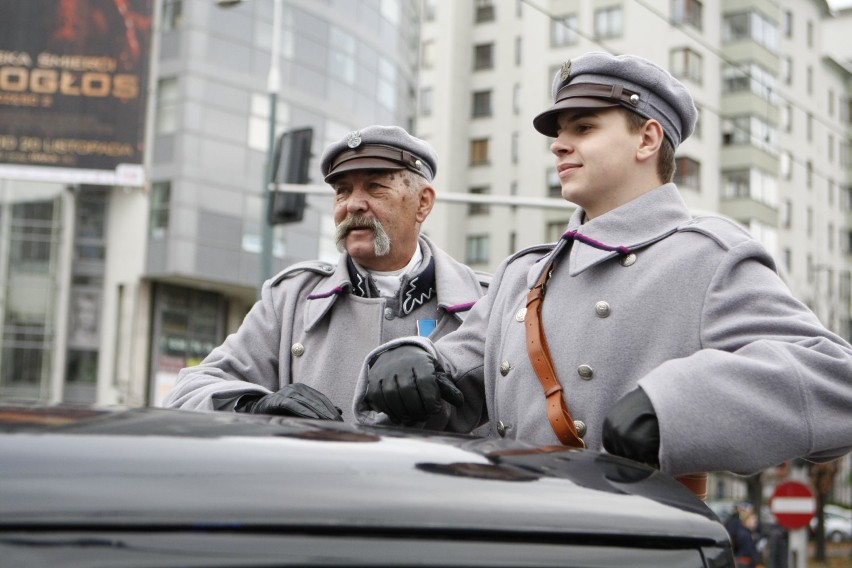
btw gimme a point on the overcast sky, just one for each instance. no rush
(839, 3)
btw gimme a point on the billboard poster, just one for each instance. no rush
(73, 89)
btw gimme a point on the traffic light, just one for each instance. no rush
(293, 155)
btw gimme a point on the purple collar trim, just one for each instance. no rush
(332, 292)
(574, 235)
(460, 307)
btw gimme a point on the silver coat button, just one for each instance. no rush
(501, 429)
(388, 314)
(628, 260)
(521, 314)
(297, 350)
(581, 427)
(602, 309)
(585, 372)
(505, 367)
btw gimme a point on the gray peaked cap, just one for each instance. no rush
(600, 80)
(379, 148)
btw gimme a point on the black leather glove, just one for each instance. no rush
(631, 430)
(297, 399)
(408, 385)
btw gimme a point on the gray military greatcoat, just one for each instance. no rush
(741, 374)
(310, 326)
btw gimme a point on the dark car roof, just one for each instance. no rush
(101, 467)
(95, 464)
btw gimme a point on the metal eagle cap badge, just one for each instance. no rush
(353, 140)
(566, 70)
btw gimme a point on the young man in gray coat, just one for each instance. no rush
(673, 338)
(299, 349)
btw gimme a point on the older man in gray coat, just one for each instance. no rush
(299, 349)
(673, 340)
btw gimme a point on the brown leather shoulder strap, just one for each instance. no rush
(557, 410)
(539, 353)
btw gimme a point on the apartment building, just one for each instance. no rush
(771, 149)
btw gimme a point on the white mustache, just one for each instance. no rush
(380, 237)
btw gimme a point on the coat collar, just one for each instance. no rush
(635, 225)
(450, 279)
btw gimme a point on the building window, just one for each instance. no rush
(161, 197)
(563, 30)
(810, 34)
(809, 127)
(516, 98)
(479, 152)
(786, 117)
(481, 104)
(519, 45)
(686, 64)
(830, 236)
(809, 222)
(341, 55)
(810, 80)
(788, 24)
(688, 12)
(172, 15)
(167, 106)
(477, 249)
(750, 77)
(478, 208)
(787, 70)
(483, 56)
(688, 173)
(555, 230)
(258, 130)
(428, 55)
(830, 144)
(752, 26)
(430, 9)
(750, 183)
(786, 164)
(484, 11)
(751, 130)
(785, 214)
(788, 260)
(699, 120)
(515, 149)
(426, 101)
(608, 22)
(554, 186)
(809, 174)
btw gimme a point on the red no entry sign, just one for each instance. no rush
(793, 505)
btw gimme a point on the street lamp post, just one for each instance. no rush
(273, 87)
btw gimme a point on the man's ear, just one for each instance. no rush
(426, 197)
(651, 139)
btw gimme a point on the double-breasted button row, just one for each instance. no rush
(389, 314)
(505, 367)
(297, 349)
(501, 429)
